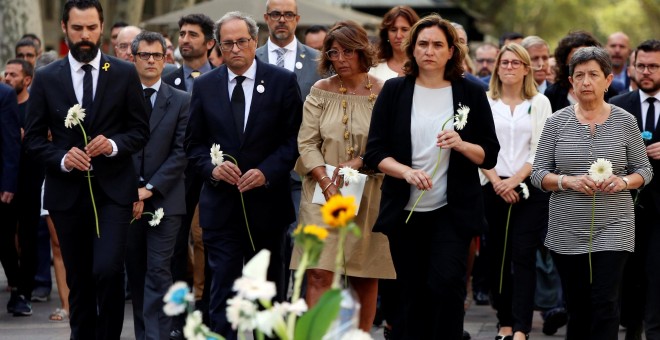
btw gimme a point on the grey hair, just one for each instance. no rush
(45, 59)
(534, 40)
(457, 26)
(253, 28)
(150, 38)
(586, 54)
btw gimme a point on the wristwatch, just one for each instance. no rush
(625, 179)
(149, 186)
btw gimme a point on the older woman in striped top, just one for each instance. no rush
(591, 223)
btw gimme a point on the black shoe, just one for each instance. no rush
(481, 299)
(466, 335)
(176, 334)
(504, 337)
(11, 304)
(22, 307)
(554, 320)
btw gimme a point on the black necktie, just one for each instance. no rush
(88, 88)
(238, 104)
(650, 116)
(148, 92)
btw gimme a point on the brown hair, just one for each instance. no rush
(350, 36)
(454, 67)
(384, 47)
(529, 86)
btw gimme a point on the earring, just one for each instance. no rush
(388, 40)
(606, 90)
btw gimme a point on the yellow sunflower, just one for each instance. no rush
(320, 232)
(338, 211)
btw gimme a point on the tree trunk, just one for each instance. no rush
(16, 19)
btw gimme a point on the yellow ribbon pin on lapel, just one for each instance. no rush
(106, 66)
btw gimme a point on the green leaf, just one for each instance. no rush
(315, 323)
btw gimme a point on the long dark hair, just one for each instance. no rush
(385, 51)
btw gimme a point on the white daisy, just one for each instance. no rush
(158, 215)
(74, 116)
(217, 156)
(460, 119)
(600, 170)
(350, 174)
(525, 190)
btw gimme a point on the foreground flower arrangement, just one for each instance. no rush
(251, 310)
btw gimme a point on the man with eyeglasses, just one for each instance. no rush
(284, 50)
(485, 61)
(124, 40)
(253, 110)
(27, 49)
(643, 268)
(160, 166)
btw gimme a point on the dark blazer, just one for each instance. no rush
(631, 102)
(170, 78)
(118, 113)
(390, 136)
(165, 159)
(10, 139)
(308, 58)
(268, 144)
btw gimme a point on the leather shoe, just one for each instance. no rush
(466, 335)
(504, 337)
(554, 319)
(176, 334)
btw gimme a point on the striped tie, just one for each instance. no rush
(280, 56)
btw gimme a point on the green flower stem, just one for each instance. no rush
(435, 169)
(506, 236)
(591, 234)
(244, 212)
(340, 255)
(89, 181)
(297, 283)
(144, 213)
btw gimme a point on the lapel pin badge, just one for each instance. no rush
(299, 65)
(260, 88)
(177, 81)
(302, 55)
(106, 66)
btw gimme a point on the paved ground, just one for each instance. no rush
(480, 321)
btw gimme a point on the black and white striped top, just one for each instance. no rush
(567, 147)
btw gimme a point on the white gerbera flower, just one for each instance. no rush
(158, 215)
(356, 334)
(217, 156)
(177, 298)
(460, 119)
(241, 314)
(525, 190)
(253, 289)
(193, 323)
(600, 170)
(74, 116)
(350, 175)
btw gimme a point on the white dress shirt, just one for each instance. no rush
(248, 86)
(643, 96)
(289, 56)
(514, 132)
(156, 87)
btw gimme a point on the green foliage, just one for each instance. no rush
(315, 323)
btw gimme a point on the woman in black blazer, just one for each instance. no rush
(430, 250)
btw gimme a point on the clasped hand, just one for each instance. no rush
(81, 160)
(228, 171)
(588, 186)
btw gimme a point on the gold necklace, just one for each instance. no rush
(348, 137)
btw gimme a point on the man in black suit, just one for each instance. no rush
(644, 104)
(253, 111)
(117, 127)
(160, 167)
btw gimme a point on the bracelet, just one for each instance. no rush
(561, 177)
(322, 178)
(625, 180)
(326, 187)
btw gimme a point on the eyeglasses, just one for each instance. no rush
(484, 60)
(123, 46)
(288, 16)
(146, 55)
(334, 54)
(514, 63)
(651, 67)
(25, 55)
(242, 44)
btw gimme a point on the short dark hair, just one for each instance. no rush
(33, 37)
(26, 42)
(384, 48)
(651, 45)
(351, 36)
(28, 70)
(201, 20)
(150, 38)
(316, 29)
(118, 24)
(80, 4)
(510, 36)
(454, 67)
(586, 54)
(566, 45)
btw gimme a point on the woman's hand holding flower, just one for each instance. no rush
(228, 172)
(419, 178)
(582, 183)
(355, 163)
(612, 184)
(449, 139)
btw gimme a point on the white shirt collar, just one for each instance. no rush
(155, 86)
(76, 65)
(643, 96)
(250, 73)
(290, 47)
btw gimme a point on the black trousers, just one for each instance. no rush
(527, 227)
(430, 258)
(94, 266)
(593, 308)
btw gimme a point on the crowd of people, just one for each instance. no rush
(521, 179)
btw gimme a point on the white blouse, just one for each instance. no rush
(514, 132)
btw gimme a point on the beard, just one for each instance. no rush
(652, 88)
(83, 55)
(19, 87)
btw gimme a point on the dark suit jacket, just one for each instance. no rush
(118, 113)
(268, 144)
(307, 57)
(390, 136)
(10, 139)
(631, 102)
(165, 159)
(170, 78)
